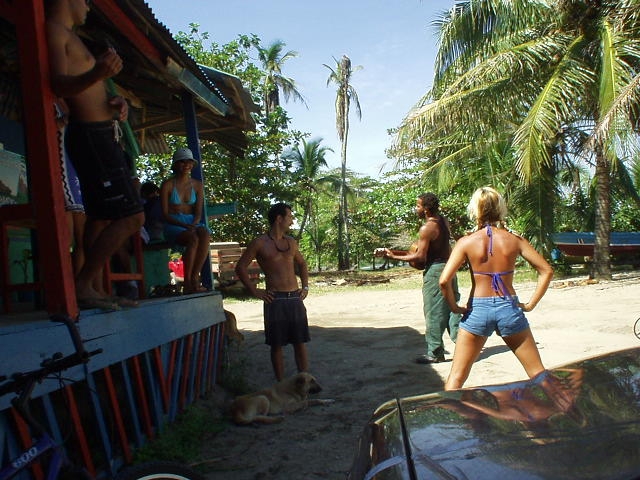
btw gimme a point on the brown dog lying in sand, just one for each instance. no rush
(268, 405)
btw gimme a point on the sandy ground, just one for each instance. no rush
(362, 348)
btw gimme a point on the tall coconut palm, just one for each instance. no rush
(309, 162)
(345, 95)
(529, 73)
(272, 59)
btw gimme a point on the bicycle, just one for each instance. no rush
(58, 465)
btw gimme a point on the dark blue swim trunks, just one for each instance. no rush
(285, 320)
(104, 170)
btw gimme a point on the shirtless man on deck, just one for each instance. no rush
(112, 203)
(285, 316)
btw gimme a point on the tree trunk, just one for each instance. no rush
(272, 100)
(601, 269)
(343, 256)
(315, 238)
(318, 254)
(342, 123)
(344, 207)
(340, 234)
(305, 217)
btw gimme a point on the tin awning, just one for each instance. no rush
(158, 71)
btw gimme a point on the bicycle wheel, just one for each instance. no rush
(636, 328)
(159, 471)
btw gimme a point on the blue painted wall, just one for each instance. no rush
(176, 342)
(121, 334)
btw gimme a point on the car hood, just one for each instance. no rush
(578, 421)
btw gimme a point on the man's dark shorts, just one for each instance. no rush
(104, 170)
(285, 320)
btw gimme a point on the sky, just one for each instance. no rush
(394, 41)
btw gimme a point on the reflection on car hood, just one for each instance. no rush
(578, 421)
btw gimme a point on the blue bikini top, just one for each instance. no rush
(497, 283)
(175, 198)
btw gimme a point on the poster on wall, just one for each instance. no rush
(13, 178)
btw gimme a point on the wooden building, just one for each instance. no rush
(160, 356)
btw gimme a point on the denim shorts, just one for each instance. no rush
(494, 314)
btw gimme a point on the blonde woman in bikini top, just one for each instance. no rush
(493, 306)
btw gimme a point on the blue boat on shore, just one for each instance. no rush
(582, 243)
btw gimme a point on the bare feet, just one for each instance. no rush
(101, 303)
(89, 298)
(187, 289)
(124, 302)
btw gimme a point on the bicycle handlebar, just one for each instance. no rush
(19, 381)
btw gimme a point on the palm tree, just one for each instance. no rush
(345, 94)
(272, 59)
(309, 161)
(322, 228)
(318, 236)
(535, 77)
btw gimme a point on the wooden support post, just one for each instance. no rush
(46, 178)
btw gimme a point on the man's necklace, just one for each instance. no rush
(276, 244)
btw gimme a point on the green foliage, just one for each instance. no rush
(625, 217)
(467, 146)
(318, 243)
(381, 214)
(182, 440)
(309, 161)
(453, 205)
(234, 376)
(272, 59)
(233, 57)
(526, 97)
(261, 177)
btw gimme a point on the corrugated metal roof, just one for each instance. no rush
(223, 107)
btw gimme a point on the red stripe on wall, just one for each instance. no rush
(79, 430)
(26, 442)
(115, 405)
(201, 347)
(172, 366)
(186, 367)
(164, 384)
(142, 397)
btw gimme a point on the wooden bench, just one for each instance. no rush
(224, 258)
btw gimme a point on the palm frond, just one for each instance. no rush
(550, 110)
(619, 94)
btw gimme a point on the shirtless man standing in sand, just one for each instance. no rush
(112, 203)
(285, 316)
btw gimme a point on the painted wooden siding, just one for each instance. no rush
(157, 359)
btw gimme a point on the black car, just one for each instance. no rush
(579, 421)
